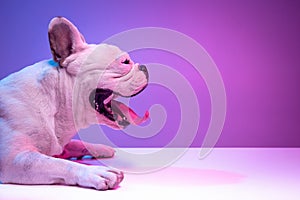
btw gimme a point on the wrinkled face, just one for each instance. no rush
(98, 74)
(109, 73)
(123, 76)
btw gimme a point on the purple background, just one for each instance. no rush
(255, 45)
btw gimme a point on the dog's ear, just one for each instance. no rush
(64, 39)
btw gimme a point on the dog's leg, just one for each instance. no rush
(77, 148)
(32, 167)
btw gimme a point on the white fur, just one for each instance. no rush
(43, 106)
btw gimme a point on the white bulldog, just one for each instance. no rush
(44, 105)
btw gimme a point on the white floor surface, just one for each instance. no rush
(226, 173)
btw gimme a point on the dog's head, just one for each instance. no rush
(100, 74)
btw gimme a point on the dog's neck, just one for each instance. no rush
(64, 123)
(75, 85)
(69, 92)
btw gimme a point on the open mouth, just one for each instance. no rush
(103, 100)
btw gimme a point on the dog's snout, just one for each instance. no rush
(143, 68)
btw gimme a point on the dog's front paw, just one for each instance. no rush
(99, 151)
(100, 178)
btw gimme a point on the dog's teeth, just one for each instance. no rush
(115, 116)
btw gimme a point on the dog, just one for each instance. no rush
(44, 105)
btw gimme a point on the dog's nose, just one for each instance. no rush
(143, 68)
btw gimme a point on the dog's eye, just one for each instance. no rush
(126, 62)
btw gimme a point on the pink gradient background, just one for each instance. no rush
(255, 45)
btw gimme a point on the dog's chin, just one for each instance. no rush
(118, 114)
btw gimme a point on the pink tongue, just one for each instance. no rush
(131, 116)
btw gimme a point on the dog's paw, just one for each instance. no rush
(99, 177)
(100, 151)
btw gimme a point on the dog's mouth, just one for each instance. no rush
(103, 101)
